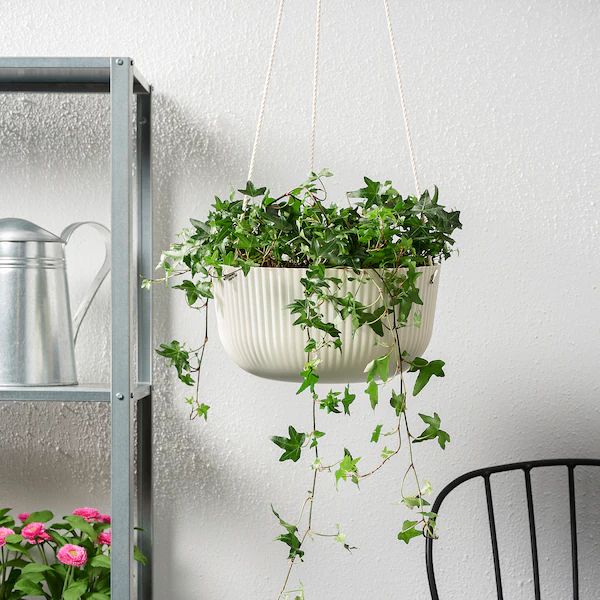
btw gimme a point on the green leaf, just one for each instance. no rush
(379, 367)
(409, 531)
(316, 435)
(292, 445)
(139, 556)
(309, 379)
(433, 431)
(75, 590)
(398, 403)
(35, 568)
(414, 502)
(386, 453)
(101, 561)
(98, 596)
(29, 587)
(42, 516)
(331, 402)
(376, 434)
(347, 467)
(443, 438)
(289, 538)
(373, 392)
(426, 371)
(80, 523)
(347, 399)
(202, 410)
(251, 191)
(179, 357)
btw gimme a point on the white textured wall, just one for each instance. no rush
(504, 98)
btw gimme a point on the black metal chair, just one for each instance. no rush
(526, 467)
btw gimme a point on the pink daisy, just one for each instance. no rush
(4, 533)
(89, 514)
(105, 538)
(23, 517)
(35, 533)
(104, 519)
(72, 555)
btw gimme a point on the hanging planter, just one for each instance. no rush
(315, 291)
(256, 326)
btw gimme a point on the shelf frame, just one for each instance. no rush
(128, 390)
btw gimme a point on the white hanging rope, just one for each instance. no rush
(411, 150)
(315, 90)
(265, 93)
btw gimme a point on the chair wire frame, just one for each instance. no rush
(526, 467)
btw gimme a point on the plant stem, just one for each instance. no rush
(310, 500)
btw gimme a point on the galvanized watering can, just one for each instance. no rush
(37, 335)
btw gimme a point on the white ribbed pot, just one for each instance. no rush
(256, 330)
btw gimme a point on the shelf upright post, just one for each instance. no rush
(145, 347)
(122, 404)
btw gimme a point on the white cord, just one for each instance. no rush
(411, 150)
(315, 91)
(265, 93)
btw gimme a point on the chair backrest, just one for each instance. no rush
(526, 467)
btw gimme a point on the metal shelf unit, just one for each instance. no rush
(128, 390)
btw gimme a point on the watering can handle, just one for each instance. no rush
(100, 276)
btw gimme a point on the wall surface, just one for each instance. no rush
(504, 105)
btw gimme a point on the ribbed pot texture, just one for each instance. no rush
(256, 330)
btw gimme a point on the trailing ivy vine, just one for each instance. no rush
(378, 236)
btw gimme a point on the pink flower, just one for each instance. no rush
(89, 514)
(104, 519)
(35, 533)
(4, 533)
(105, 538)
(23, 517)
(72, 555)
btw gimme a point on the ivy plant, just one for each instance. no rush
(377, 232)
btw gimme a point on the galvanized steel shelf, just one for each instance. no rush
(128, 390)
(68, 393)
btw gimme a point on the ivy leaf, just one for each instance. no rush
(414, 502)
(379, 367)
(251, 191)
(292, 445)
(426, 371)
(376, 434)
(433, 431)
(309, 378)
(386, 453)
(373, 392)
(398, 403)
(202, 410)
(330, 402)
(347, 467)
(347, 399)
(409, 531)
(290, 538)
(139, 556)
(316, 435)
(179, 357)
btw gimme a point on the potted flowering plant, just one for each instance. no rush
(64, 560)
(310, 291)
